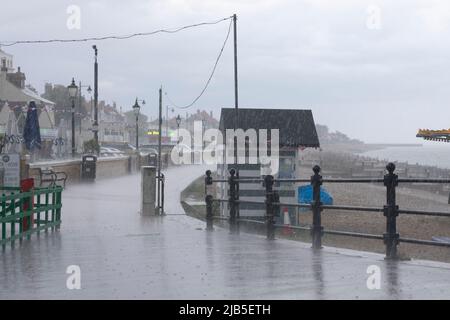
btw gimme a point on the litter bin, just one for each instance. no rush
(152, 159)
(88, 167)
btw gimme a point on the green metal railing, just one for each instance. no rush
(25, 213)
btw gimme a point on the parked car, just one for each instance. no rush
(124, 147)
(110, 152)
(144, 151)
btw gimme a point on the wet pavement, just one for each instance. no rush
(124, 255)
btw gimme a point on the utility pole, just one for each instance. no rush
(236, 105)
(73, 93)
(95, 96)
(159, 151)
(236, 108)
(89, 90)
(73, 128)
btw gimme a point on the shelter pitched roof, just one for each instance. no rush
(296, 126)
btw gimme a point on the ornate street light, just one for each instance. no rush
(73, 90)
(89, 91)
(136, 109)
(95, 125)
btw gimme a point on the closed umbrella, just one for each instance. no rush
(31, 131)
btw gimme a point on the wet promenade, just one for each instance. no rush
(123, 255)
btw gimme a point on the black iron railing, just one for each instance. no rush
(272, 206)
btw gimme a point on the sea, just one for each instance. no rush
(429, 154)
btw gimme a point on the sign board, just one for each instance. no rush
(10, 165)
(48, 133)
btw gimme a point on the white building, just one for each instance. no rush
(15, 97)
(112, 127)
(6, 61)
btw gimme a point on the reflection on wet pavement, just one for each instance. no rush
(124, 255)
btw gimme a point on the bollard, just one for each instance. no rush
(232, 200)
(163, 182)
(391, 237)
(209, 200)
(276, 209)
(138, 161)
(270, 223)
(26, 185)
(129, 166)
(148, 190)
(317, 229)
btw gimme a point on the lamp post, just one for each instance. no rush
(178, 119)
(136, 109)
(73, 89)
(89, 91)
(95, 125)
(167, 119)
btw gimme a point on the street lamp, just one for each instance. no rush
(89, 91)
(73, 89)
(95, 125)
(167, 119)
(136, 109)
(178, 119)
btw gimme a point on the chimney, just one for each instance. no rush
(48, 88)
(17, 78)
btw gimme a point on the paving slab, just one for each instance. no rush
(122, 255)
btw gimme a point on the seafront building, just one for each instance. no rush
(297, 132)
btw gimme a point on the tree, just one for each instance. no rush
(59, 94)
(91, 146)
(130, 118)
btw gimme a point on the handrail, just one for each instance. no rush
(25, 213)
(272, 205)
(337, 180)
(425, 242)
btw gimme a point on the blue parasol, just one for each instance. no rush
(305, 195)
(31, 132)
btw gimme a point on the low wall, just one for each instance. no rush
(113, 167)
(106, 167)
(71, 167)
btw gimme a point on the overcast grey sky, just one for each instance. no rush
(376, 80)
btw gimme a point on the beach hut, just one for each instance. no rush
(297, 131)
